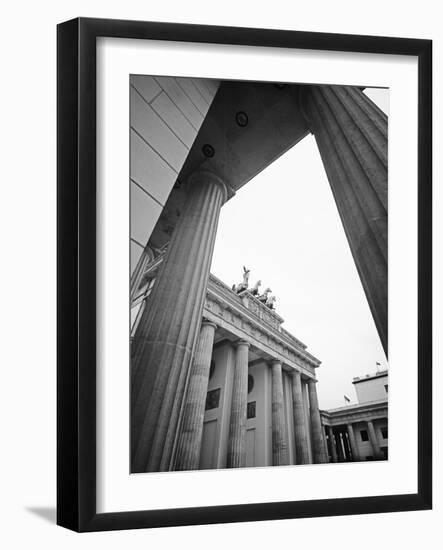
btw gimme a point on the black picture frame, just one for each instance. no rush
(76, 295)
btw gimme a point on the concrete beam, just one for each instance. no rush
(274, 124)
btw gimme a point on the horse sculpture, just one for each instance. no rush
(263, 297)
(244, 285)
(254, 289)
(270, 302)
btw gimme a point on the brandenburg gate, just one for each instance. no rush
(246, 127)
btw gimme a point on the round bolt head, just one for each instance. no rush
(208, 150)
(242, 119)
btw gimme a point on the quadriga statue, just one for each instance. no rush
(263, 297)
(244, 284)
(254, 289)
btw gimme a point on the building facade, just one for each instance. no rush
(359, 432)
(252, 381)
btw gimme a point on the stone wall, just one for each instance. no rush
(166, 114)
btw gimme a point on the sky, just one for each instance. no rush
(284, 226)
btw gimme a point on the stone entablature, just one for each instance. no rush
(262, 311)
(293, 338)
(360, 412)
(234, 313)
(246, 317)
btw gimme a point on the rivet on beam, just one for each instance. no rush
(242, 119)
(208, 150)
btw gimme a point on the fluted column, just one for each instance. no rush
(237, 426)
(332, 444)
(280, 452)
(352, 137)
(166, 335)
(318, 445)
(300, 428)
(374, 441)
(187, 455)
(353, 443)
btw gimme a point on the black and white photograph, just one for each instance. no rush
(221, 275)
(258, 274)
(244, 268)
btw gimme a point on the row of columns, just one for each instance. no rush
(280, 449)
(348, 439)
(188, 449)
(351, 134)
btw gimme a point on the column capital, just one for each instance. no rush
(239, 343)
(208, 323)
(203, 176)
(312, 381)
(295, 373)
(274, 362)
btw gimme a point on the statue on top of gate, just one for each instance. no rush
(243, 285)
(254, 289)
(264, 297)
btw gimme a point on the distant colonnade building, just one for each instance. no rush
(359, 431)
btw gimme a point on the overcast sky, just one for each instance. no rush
(284, 226)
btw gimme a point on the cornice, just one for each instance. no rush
(232, 308)
(367, 404)
(357, 412)
(254, 318)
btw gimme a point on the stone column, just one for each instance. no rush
(166, 335)
(332, 444)
(348, 454)
(300, 433)
(187, 455)
(318, 446)
(339, 447)
(280, 451)
(237, 426)
(352, 137)
(353, 443)
(374, 441)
